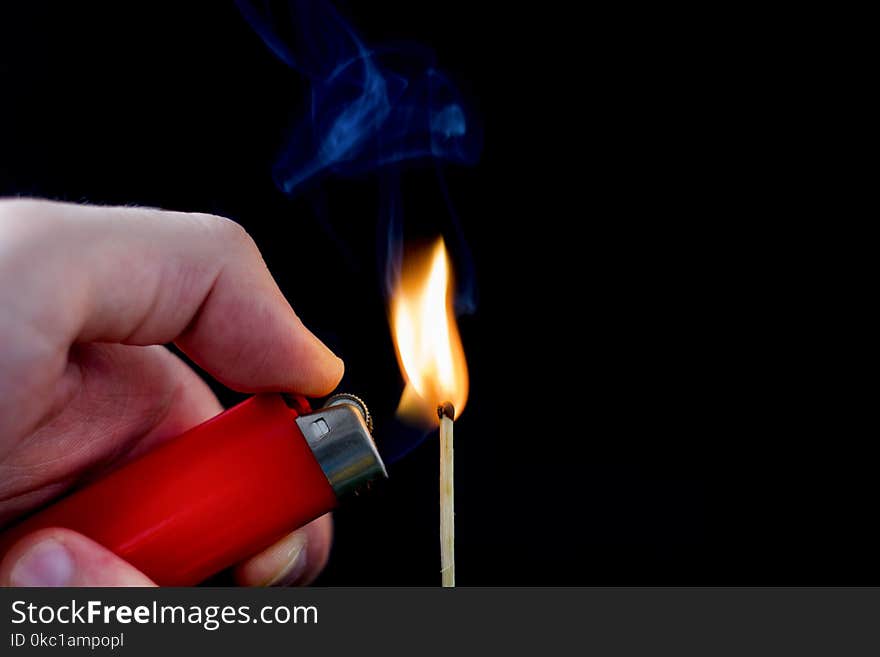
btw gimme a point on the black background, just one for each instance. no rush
(642, 407)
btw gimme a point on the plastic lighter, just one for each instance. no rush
(223, 490)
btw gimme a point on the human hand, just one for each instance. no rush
(89, 295)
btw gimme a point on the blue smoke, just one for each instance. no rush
(369, 107)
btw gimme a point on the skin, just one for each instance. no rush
(89, 296)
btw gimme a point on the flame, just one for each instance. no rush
(426, 338)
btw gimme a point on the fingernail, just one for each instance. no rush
(331, 353)
(48, 563)
(296, 561)
(340, 364)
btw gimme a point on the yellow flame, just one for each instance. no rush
(426, 337)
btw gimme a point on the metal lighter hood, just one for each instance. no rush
(340, 437)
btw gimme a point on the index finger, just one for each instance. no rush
(142, 276)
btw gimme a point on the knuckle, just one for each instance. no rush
(229, 231)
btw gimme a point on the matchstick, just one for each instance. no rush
(446, 413)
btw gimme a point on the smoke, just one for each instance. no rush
(369, 108)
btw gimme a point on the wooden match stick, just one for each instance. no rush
(446, 413)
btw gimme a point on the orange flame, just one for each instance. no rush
(426, 338)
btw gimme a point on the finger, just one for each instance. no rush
(152, 394)
(60, 557)
(296, 559)
(122, 401)
(140, 276)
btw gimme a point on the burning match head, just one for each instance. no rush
(426, 338)
(446, 409)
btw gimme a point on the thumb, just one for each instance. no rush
(61, 557)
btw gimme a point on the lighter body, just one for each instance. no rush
(222, 491)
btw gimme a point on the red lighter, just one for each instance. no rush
(223, 490)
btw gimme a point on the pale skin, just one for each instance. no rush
(88, 296)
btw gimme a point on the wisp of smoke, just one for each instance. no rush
(369, 108)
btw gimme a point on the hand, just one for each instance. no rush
(89, 295)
